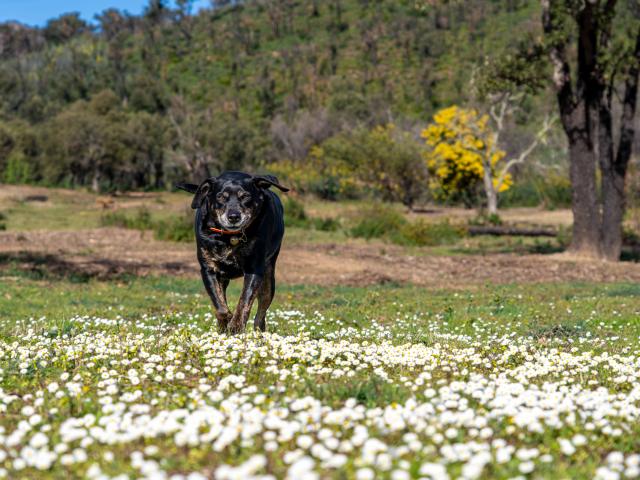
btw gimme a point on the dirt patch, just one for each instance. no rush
(101, 253)
(110, 252)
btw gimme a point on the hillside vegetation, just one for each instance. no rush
(142, 101)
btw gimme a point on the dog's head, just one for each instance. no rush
(232, 199)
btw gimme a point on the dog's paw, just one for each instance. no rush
(223, 320)
(236, 324)
(235, 327)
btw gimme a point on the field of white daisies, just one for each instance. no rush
(391, 383)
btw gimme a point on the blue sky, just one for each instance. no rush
(37, 12)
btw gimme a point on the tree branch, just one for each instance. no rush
(506, 102)
(540, 136)
(561, 69)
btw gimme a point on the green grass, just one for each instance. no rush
(532, 310)
(345, 347)
(78, 209)
(63, 215)
(310, 221)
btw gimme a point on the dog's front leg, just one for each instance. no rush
(252, 283)
(216, 288)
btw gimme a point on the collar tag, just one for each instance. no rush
(232, 240)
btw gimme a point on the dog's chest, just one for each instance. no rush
(226, 257)
(220, 257)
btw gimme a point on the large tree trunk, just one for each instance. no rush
(612, 181)
(614, 165)
(582, 135)
(579, 114)
(613, 206)
(585, 240)
(587, 120)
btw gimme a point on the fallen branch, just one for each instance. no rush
(511, 231)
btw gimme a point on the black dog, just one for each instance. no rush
(239, 227)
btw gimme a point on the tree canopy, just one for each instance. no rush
(142, 101)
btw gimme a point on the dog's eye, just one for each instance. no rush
(222, 196)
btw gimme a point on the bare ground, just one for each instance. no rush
(111, 252)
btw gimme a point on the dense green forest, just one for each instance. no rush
(130, 102)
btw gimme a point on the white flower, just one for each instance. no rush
(566, 447)
(526, 467)
(302, 468)
(365, 474)
(304, 441)
(579, 440)
(39, 440)
(435, 471)
(603, 473)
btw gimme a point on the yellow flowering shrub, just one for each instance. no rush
(461, 145)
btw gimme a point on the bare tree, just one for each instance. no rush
(504, 106)
(293, 140)
(190, 150)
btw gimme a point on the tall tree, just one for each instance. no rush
(115, 27)
(65, 27)
(585, 95)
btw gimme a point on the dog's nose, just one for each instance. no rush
(234, 217)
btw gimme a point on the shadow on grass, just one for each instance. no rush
(631, 254)
(45, 266)
(516, 246)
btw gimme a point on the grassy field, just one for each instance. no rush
(130, 377)
(74, 210)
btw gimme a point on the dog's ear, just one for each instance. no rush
(201, 193)
(187, 187)
(266, 181)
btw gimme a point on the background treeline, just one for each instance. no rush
(137, 102)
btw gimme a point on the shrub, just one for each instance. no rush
(524, 193)
(18, 168)
(295, 216)
(175, 229)
(552, 191)
(556, 192)
(140, 221)
(421, 233)
(384, 160)
(629, 237)
(564, 236)
(311, 178)
(386, 223)
(324, 224)
(377, 222)
(483, 219)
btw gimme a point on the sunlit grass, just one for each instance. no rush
(131, 378)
